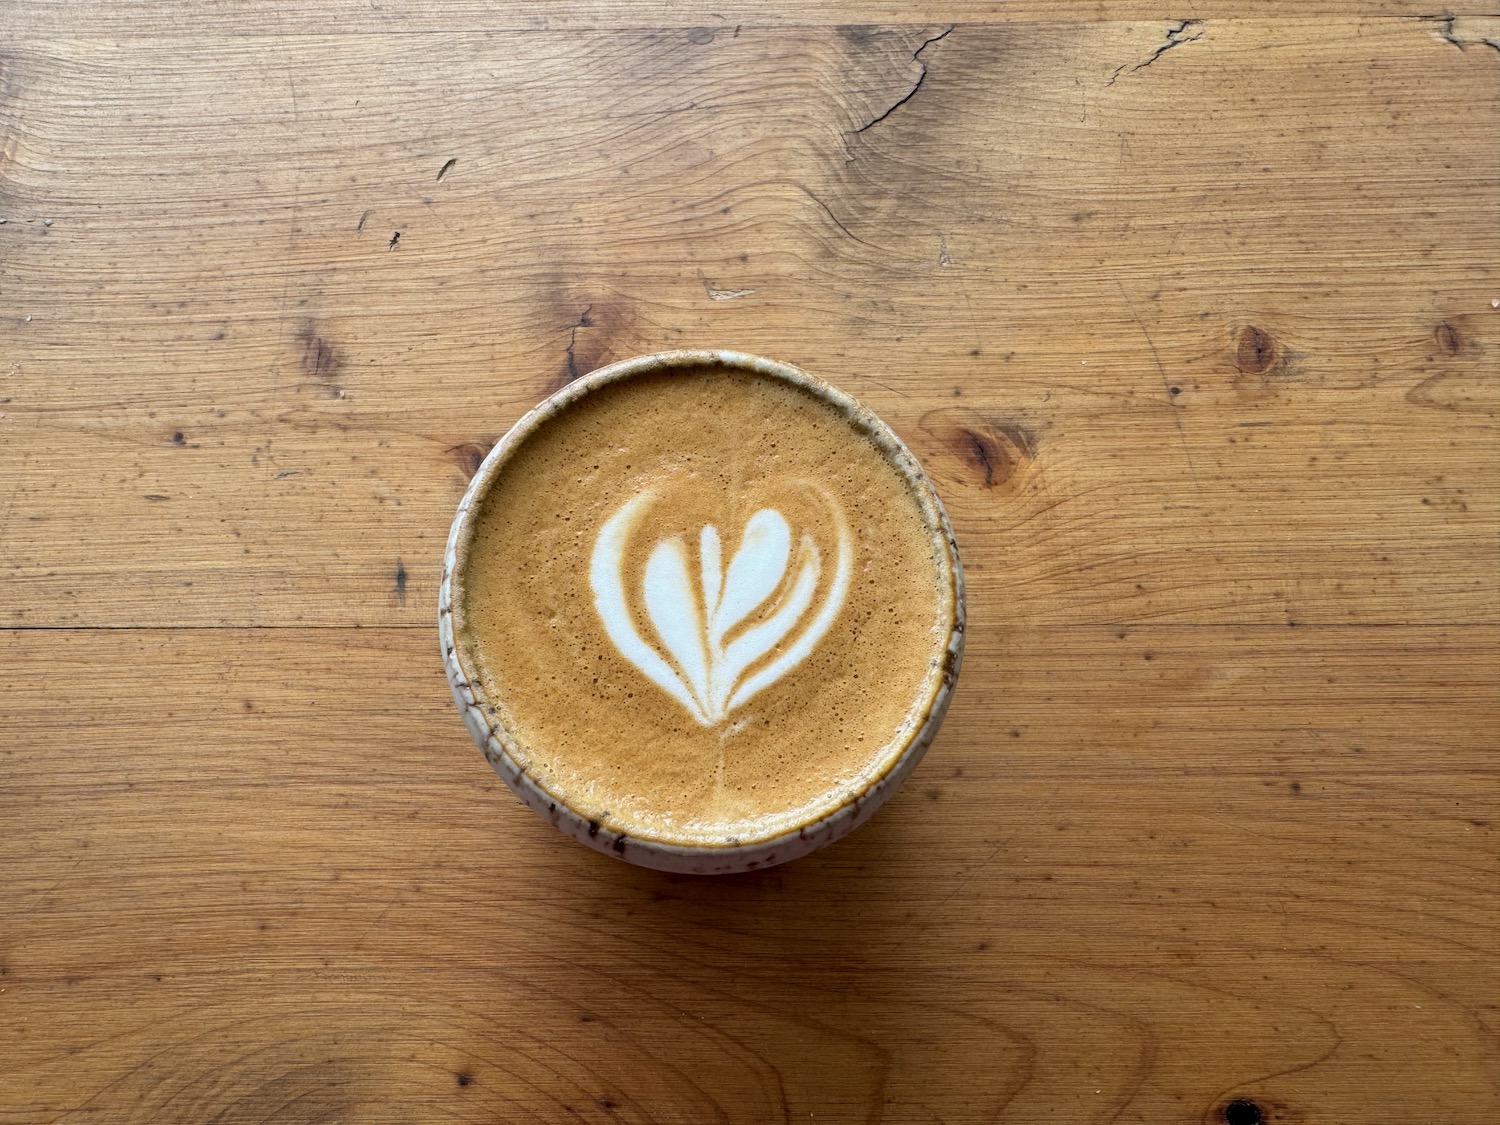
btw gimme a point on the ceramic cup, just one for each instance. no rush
(501, 750)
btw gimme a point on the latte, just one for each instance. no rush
(701, 605)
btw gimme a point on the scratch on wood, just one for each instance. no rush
(1445, 29)
(836, 222)
(887, 387)
(583, 322)
(1166, 385)
(1177, 35)
(1456, 30)
(921, 78)
(975, 870)
(724, 294)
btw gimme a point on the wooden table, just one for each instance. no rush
(1194, 320)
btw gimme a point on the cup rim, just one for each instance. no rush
(499, 747)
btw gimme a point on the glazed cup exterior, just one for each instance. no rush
(495, 742)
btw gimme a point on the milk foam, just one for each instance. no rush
(704, 606)
(726, 638)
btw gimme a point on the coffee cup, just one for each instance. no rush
(702, 611)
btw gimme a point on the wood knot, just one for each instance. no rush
(989, 453)
(469, 456)
(1242, 1111)
(1257, 351)
(1447, 337)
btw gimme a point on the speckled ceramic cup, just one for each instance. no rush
(844, 810)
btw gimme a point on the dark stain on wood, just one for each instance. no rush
(1021, 437)
(321, 360)
(292, 1093)
(1448, 339)
(400, 584)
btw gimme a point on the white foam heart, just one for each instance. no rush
(702, 663)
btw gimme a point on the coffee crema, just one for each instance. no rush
(704, 606)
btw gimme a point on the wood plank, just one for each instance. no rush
(1194, 321)
(1219, 318)
(406, 17)
(261, 875)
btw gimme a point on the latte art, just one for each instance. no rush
(735, 631)
(705, 611)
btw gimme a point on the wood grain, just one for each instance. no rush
(1187, 342)
(1193, 321)
(1142, 871)
(144, 18)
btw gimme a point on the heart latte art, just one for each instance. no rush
(701, 606)
(717, 640)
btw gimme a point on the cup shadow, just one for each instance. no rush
(777, 993)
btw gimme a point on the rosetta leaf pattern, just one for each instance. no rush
(723, 639)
